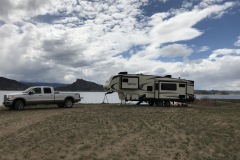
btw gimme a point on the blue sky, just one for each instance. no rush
(62, 40)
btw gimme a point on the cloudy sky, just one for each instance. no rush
(62, 40)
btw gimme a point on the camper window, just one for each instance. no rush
(182, 85)
(149, 88)
(168, 86)
(124, 80)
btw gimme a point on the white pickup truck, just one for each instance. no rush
(40, 95)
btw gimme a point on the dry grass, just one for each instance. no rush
(122, 132)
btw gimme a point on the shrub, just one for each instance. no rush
(205, 101)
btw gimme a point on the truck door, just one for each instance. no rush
(35, 96)
(48, 95)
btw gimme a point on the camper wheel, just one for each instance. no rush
(151, 102)
(167, 103)
(159, 103)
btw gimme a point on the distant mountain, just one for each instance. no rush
(54, 85)
(82, 85)
(11, 85)
(221, 92)
(79, 85)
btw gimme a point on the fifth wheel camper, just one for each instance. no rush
(158, 90)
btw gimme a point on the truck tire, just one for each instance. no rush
(19, 105)
(68, 103)
(159, 103)
(167, 104)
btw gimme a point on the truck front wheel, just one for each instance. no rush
(68, 103)
(19, 105)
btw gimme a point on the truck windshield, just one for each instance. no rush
(27, 90)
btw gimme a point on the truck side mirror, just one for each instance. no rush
(31, 93)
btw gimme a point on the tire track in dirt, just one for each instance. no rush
(152, 128)
(112, 125)
(22, 120)
(118, 146)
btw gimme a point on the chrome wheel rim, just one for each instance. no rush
(21, 106)
(69, 104)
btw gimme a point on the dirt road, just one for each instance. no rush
(120, 132)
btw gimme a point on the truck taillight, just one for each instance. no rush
(78, 95)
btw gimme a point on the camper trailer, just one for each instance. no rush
(158, 90)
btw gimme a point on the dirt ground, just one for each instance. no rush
(92, 131)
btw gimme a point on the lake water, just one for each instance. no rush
(98, 97)
(217, 96)
(88, 97)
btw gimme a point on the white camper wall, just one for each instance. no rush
(130, 82)
(172, 90)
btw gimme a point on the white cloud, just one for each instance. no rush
(59, 41)
(5, 7)
(187, 4)
(18, 10)
(224, 52)
(70, 77)
(219, 71)
(175, 50)
(203, 49)
(164, 1)
(180, 26)
(237, 43)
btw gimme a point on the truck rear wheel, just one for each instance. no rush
(68, 103)
(19, 105)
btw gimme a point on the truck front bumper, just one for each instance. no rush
(7, 103)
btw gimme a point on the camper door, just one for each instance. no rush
(172, 90)
(129, 82)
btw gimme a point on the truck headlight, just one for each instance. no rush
(10, 97)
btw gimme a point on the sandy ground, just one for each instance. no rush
(90, 131)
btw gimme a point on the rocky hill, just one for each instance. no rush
(79, 85)
(54, 85)
(82, 85)
(9, 84)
